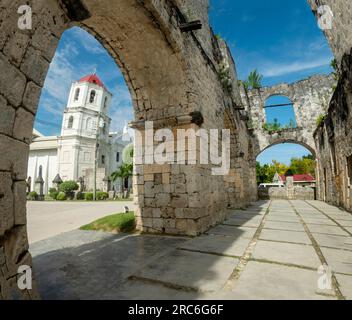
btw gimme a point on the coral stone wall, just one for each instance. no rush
(176, 80)
(310, 98)
(333, 138)
(340, 35)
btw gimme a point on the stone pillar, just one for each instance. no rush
(290, 188)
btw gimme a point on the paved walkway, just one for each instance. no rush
(273, 250)
(47, 219)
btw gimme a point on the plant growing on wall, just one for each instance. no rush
(321, 119)
(255, 80)
(272, 126)
(225, 77)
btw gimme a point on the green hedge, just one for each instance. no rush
(88, 196)
(102, 195)
(61, 196)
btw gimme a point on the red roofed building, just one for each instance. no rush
(304, 180)
(94, 79)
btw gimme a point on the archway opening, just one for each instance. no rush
(279, 114)
(286, 165)
(80, 127)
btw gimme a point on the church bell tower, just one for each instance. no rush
(85, 124)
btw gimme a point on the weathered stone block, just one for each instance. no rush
(7, 117)
(31, 97)
(12, 82)
(179, 201)
(19, 195)
(6, 203)
(23, 127)
(16, 47)
(15, 159)
(162, 199)
(34, 66)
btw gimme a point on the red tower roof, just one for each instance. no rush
(93, 78)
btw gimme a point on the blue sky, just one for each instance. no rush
(280, 39)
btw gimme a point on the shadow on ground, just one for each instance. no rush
(95, 265)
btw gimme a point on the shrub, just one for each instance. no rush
(53, 193)
(68, 186)
(80, 196)
(88, 196)
(102, 195)
(61, 196)
(33, 196)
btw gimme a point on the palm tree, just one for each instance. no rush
(124, 172)
(255, 80)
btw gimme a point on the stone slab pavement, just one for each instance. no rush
(50, 218)
(282, 257)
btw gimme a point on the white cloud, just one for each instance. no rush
(285, 58)
(280, 69)
(88, 42)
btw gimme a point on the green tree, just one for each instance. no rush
(124, 172)
(303, 165)
(255, 80)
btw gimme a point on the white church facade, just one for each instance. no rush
(85, 138)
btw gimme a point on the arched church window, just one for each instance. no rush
(105, 102)
(70, 123)
(78, 90)
(92, 96)
(117, 156)
(89, 124)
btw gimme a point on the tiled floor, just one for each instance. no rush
(273, 250)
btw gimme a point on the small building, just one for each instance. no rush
(301, 180)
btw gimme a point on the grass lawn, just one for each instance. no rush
(121, 222)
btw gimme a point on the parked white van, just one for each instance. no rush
(270, 185)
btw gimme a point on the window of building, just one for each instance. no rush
(70, 123)
(103, 159)
(105, 102)
(117, 156)
(77, 94)
(92, 96)
(89, 124)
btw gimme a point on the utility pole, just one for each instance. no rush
(96, 158)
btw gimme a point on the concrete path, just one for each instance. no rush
(47, 219)
(273, 250)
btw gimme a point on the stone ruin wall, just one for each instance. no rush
(310, 98)
(333, 137)
(340, 36)
(174, 75)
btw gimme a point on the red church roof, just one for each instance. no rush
(300, 178)
(92, 78)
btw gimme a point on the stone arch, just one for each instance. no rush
(282, 140)
(173, 80)
(140, 45)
